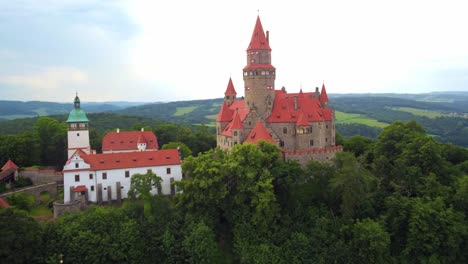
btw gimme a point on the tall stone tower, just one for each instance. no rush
(259, 74)
(78, 130)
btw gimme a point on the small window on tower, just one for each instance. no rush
(235, 133)
(90, 176)
(92, 188)
(76, 165)
(77, 178)
(311, 142)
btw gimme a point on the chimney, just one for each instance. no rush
(268, 36)
(295, 102)
(118, 130)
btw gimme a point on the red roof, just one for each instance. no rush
(302, 121)
(230, 88)
(259, 132)
(225, 113)
(128, 140)
(236, 122)
(259, 66)
(3, 203)
(284, 110)
(80, 188)
(9, 164)
(323, 94)
(258, 41)
(137, 159)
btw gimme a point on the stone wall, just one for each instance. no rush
(318, 154)
(39, 176)
(37, 190)
(60, 208)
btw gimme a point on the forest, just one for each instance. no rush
(399, 198)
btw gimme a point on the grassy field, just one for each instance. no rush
(343, 118)
(11, 117)
(184, 110)
(419, 112)
(212, 117)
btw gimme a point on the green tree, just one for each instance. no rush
(20, 237)
(141, 186)
(358, 145)
(52, 141)
(435, 233)
(352, 184)
(200, 244)
(369, 243)
(185, 151)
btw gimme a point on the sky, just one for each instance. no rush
(148, 51)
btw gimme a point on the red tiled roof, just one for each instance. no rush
(307, 103)
(323, 94)
(259, 66)
(258, 40)
(9, 164)
(80, 188)
(302, 121)
(259, 132)
(225, 113)
(3, 203)
(128, 140)
(135, 159)
(227, 130)
(236, 122)
(230, 88)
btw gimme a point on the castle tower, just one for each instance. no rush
(78, 130)
(230, 94)
(259, 74)
(324, 97)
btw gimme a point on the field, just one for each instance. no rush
(344, 118)
(419, 112)
(184, 110)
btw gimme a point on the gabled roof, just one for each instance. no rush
(80, 188)
(259, 132)
(301, 120)
(258, 40)
(236, 122)
(284, 110)
(225, 113)
(128, 140)
(137, 159)
(9, 164)
(230, 88)
(323, 94)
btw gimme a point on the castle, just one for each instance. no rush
(300, 123)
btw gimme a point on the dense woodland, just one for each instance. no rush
(399, 198)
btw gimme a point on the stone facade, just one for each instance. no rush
(300, 123)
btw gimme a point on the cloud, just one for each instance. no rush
(50, 78)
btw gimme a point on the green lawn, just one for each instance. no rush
(42, 210)
(11, 117)
(419, 112)
(343, 118)
(212, 117)
(184, 110)
(41, 111)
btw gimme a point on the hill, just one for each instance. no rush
(17, 109)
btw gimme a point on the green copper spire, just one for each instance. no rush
(77, 115)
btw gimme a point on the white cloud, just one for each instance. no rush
(50, 79)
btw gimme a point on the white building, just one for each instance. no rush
(106, 177)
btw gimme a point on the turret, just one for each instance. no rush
(230, 94)
(324, 97)
(78, 130)
(259, 74)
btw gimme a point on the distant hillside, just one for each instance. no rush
(17, 109)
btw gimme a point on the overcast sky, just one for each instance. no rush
(110, 50)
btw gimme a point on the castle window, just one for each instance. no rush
(90, 176)
(92, 188)
(250, 123)
(245, 73)
(104, 175)
(235, 142)
(127, 174)
(326, 139)
(168, 170)
(77, 134)
(76, 165)
(77, 178)
(327, 126)
(235, 133)
(285, 130)
(311, 142)
(281, 143)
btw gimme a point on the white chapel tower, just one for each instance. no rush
(78, 130)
